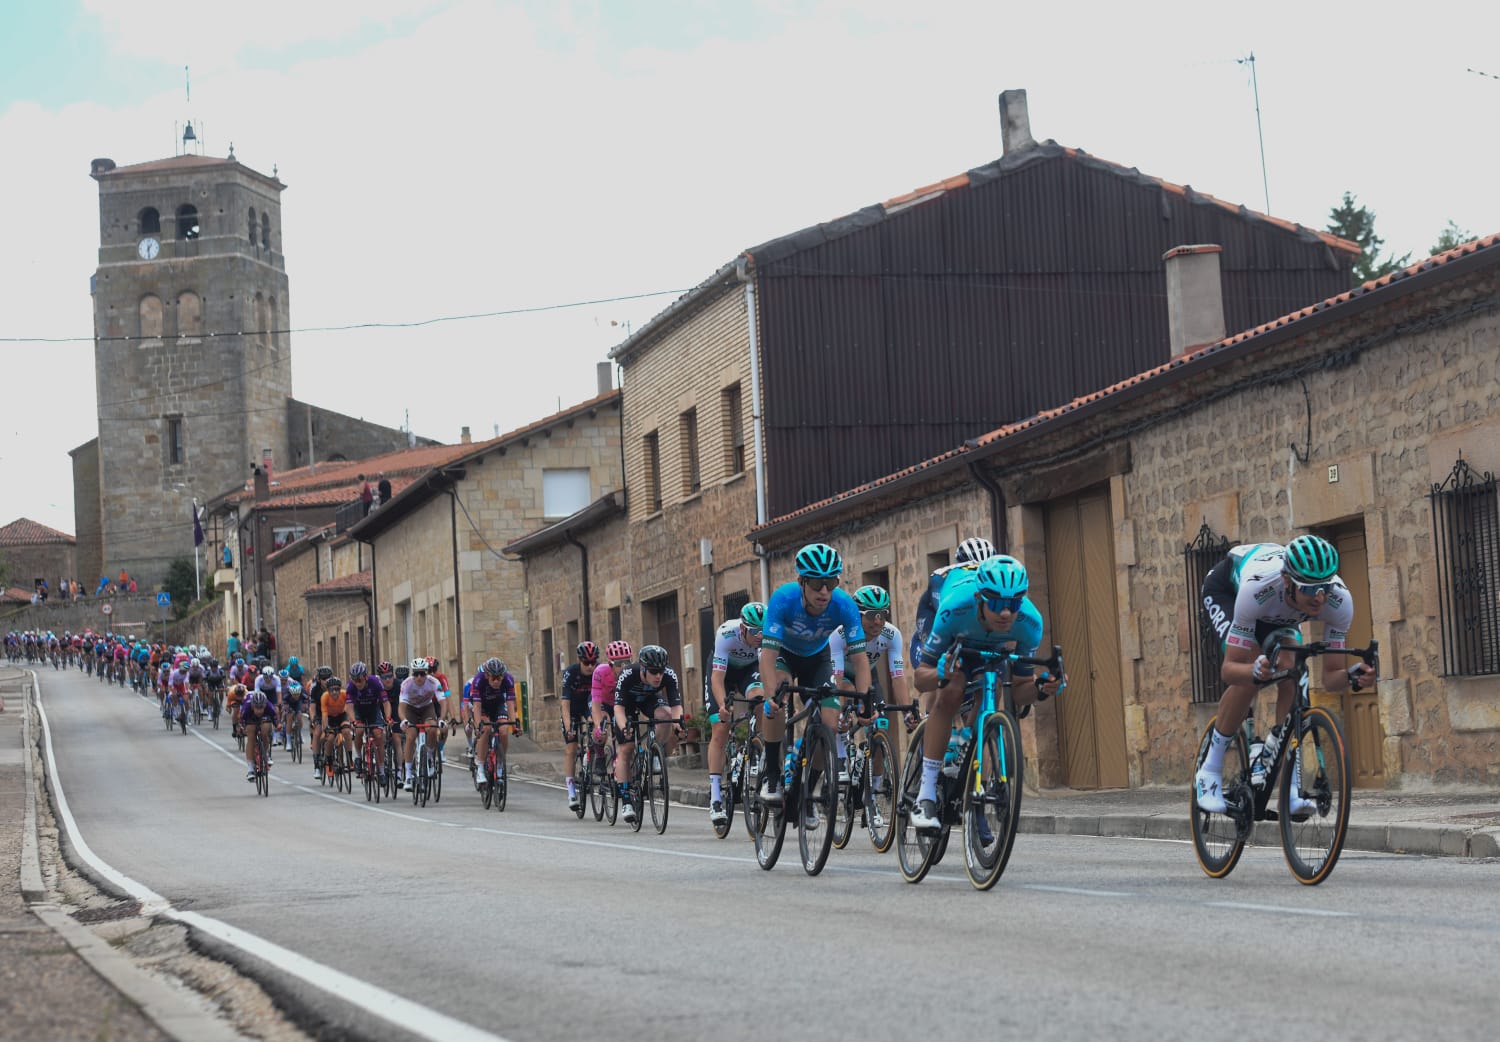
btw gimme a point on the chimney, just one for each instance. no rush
(605, 376)
(465, 437)
(1195, 297)
(1015, 124)
(262, 484)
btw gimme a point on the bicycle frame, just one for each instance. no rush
(992, 663)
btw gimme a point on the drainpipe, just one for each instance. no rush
(998, 523)
(458, 613)
(583, 551)
(757, 414)
(374, 600)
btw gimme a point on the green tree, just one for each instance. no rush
(4, 573)
(1450, 237)
(1356, 223)
(179, 583)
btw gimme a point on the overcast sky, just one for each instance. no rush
(454, 157)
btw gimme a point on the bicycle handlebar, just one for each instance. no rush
(1370, 656)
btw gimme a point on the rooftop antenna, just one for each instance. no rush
(1259, 133)
(190, 141)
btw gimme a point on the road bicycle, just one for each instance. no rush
(868, 745)
(496, 783)
(742, 758)
(648, 772)
(983, 794)
(609, 786)
(591, 778)
(1318, 774)
(372, 761)
(809, 786)
(262, 765)
(427, 778)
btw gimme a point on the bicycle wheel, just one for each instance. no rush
(755, 756)
(1219, 839)
(345, 767)
(734, 771)
(502, 781)
(419, 777)
(262, 774)
(372, 774)
(766, 821)
(1316, 771)
(436, 781)
(817, 796)
(217, 713)
(992, 808)
(182, 717)
(239, 738)
(656, 787)
(638, 778)
(612, 785)
(585, 781)
(599, 781)
(914, 850)
(843, 812)
(297, 745)
(880, 801)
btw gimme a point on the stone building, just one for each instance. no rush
(1370, 418)
(441, 586)
(192, 357)
(31, 551)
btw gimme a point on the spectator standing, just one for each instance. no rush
(366, 496)
(385, 490)
(226, 557)
(234, 638)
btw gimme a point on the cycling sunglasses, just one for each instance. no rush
(999, 604)
(1309, 589)
(831, 583)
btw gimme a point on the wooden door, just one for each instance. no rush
(1081, 594)
(1360, 711)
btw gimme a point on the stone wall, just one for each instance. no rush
(339, 631)
(51, 561)
(294, 571)
(336, 436)
(206, 626)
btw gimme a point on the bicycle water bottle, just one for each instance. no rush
(1261, 769)
(790, 768)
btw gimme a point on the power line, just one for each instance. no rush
(417, 324)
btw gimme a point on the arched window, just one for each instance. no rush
(150, 311)
(265, 230)
(150, 221)
(189, 314)
(253, 227)
(272, 324)
(187, 221)
(261, 325)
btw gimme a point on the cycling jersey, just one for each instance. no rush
(576, 685)
(249, 716)
(492, 697)
(637, 696)
(731, 649)
(602, 685)
(927, 606)
(957, 619)
(887, 642)
(271, 686)
(332, 702)
(789, 626)
(420, 694)
(367, 702)
(1246, 598)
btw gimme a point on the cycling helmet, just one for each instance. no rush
(292, 661)
(431, 664)
(384, 668)
(267, 671)
(653, 656)
(324, 672)
(237, 690)
(973, 550)
(618, 650)
(1310, 559)
(588, 651)
(419, 665)
(285, 674)
(493, 667)
(819, 561)
(1002, 576)
(259, 700)
(753, 615)
(294, 689)
(359, 669)
(872, 598)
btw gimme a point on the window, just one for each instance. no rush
(254, 228)
(149, 221)
(187, 221)
(265, 230)
(651, 454)
(564, 491)
(687, 440)
(1205, 642)
(614, 623)
(332, 661)
(271, 324)
(150, 313)
(734, 602)
(189, 314)
(1466, 536)
(936, 560)
(573, 637)
(734, 430)
(172, 440)
(549, 662)
(262, 322)
(280, 537)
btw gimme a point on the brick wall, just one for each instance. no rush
(293, 575)
(51, 561)
(339, 631)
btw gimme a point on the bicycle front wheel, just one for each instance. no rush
(1219, 839)
(880, 800)
(844, 803)
(755, 758)
(639, 773)
(735, 765)
(914, 849)
(1314, 802)
(817, 796)
(656, 787)
(501, 777)
(992, 801)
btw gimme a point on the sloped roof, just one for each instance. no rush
(337, 482)
(25, 532)
(606, 506)
(345, 585)
(815, 235)
(15, 595)
(1452, 263)
(183, 163)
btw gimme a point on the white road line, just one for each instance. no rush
(1076, 890)
(1279, 909)
(420, 1020)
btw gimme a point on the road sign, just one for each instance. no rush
(107, 609)
(163, 599)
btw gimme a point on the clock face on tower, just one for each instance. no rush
(148, 248)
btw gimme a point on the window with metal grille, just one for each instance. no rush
(1466, 536)
(1206, 651)
(651, 453)
(733, 427)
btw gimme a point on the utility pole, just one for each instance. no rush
(1259, 133)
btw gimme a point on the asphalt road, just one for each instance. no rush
(532, 925)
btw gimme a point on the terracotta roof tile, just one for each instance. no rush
(356, 583)
(15, 595)
(25, 532)
(1001, 433)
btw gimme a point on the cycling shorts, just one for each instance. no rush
(337, 720)
(738, 680)
(813, 670)
(369, 715)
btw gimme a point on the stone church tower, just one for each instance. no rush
(192, 358)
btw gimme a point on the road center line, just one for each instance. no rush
(1279, 909)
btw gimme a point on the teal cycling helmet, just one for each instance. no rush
(872, 598)
(1002, 576)
(1310, 559)
(753, 615)
(819, 561)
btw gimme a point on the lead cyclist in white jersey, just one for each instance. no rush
(1257, 590)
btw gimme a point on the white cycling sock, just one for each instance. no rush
(930, 769)
(1217, 745)
(715, 788)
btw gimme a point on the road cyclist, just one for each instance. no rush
(492, 699)
(367, 697)
(735, 673)
(419, 707)
(577, 682)
(648, 688)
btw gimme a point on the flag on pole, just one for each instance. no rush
(197, 526)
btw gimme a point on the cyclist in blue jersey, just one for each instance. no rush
(983, 610)
(800, 617)
(966, 557)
